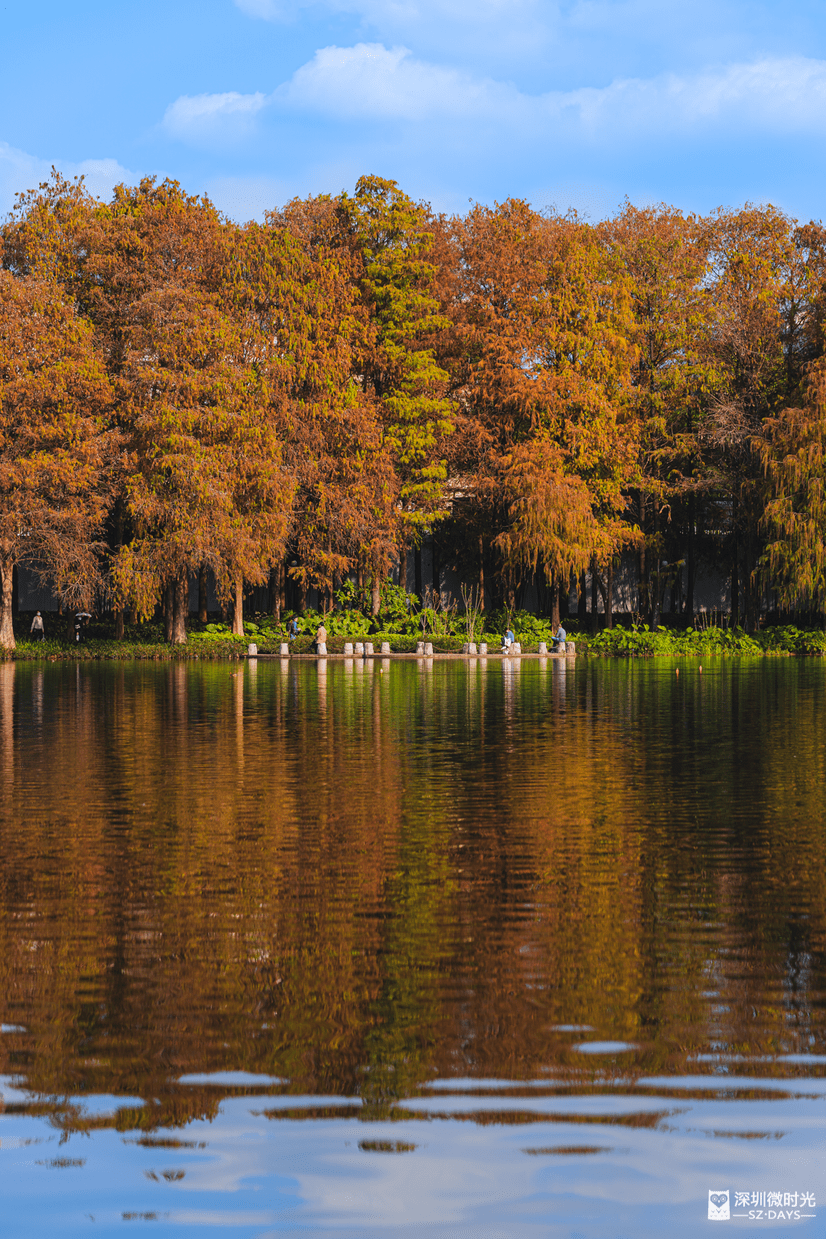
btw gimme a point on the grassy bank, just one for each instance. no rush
(215, 641)
(782, 641)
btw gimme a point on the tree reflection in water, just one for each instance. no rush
(355, 877)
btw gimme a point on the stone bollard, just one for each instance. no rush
(368, 649)
(543, 649)
(285, 649)
(428, 649)
(252, 650)
(420, 647)
(466, 648)
(516, 648)
(483, 647)
(358, 648)
(321, 649)
(570, 649)
(471, 647)
(348, 649)
(385, 647)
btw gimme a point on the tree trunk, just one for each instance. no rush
(481, 574)
(180, 607)
(643, 592)
(7, 641)
(202, 594)
(605, 588)
(691, 569)
(401, 550)
(564, 594)
(749, 592)
(609, 594)
(327, 596)
(654, 589)
(119, 619)
(735, 585)
(555, 602)
(375, 593)
(238, 609)
(582, 599)
(273, 598)
(594, 610)
(168, 608)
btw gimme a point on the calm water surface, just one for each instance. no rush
(413, 948)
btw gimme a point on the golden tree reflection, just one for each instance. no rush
(354, 877)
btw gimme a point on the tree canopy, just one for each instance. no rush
(310, 398)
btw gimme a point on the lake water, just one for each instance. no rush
(413, 948)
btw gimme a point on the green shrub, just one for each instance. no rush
(671, 643)
(215, 640)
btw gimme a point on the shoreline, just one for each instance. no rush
(183, 654)
(533, 640)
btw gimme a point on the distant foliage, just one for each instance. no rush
(300, 404)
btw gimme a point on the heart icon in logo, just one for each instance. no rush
(719, 1198)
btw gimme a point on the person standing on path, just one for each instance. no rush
(37, 630)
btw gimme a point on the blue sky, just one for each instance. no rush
(577, 103)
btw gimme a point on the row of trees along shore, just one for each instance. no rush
(307, 398)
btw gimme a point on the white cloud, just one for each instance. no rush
(786, 95)
(430, 125)
(20, 171)
(370, 81)
(229, 114)
(515, 31)
(100, 175)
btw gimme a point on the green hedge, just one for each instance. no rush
(701, 642)
(216, 642)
